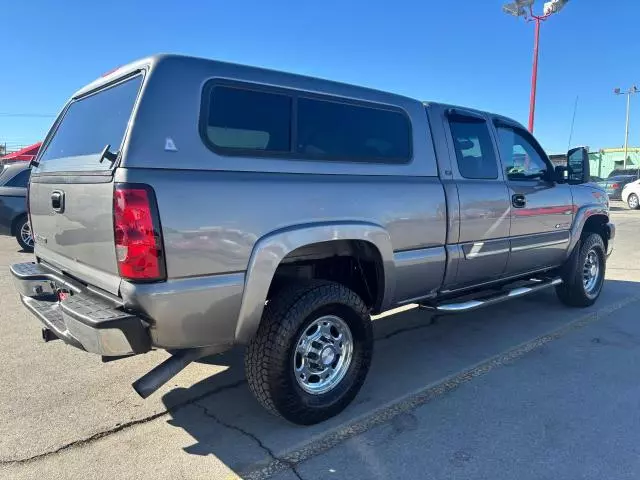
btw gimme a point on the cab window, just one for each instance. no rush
(520, 158)
(474, 149)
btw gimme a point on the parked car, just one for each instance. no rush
(13, 204)
(261, 208)
(595, 179)
(631, 194)
(635, 172)
(614, 185)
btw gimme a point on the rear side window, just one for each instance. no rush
(242, 120)
(20, 180)
(88, 126)
(340, 131)
(474, 149)
(249, 120)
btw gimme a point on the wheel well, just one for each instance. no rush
(357, 264)
(14, 223)
(597, 224)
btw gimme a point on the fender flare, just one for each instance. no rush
(271, 249)
(582, 215)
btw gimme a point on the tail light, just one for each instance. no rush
(615, 186)
(137, 233)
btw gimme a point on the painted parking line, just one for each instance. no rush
(424, 395)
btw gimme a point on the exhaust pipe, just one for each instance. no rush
(158, 376)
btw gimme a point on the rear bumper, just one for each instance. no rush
(610, 230)
(84, 319)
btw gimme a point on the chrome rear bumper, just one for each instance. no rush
(82, 319)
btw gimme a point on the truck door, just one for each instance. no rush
(483, 242)
(542, 210)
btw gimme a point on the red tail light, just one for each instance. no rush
(615, 186)
(137, 233)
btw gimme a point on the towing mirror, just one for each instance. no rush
(578, 166)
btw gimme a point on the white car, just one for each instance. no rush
(631, 194)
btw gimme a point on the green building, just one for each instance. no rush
(603, 162)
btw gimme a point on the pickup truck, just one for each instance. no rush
(193, 205)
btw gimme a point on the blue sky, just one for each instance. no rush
(464, 52)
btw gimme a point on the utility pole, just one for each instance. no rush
(524, 8)
(628, 93)
(534, 75)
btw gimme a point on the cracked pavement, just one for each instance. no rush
(65, 414)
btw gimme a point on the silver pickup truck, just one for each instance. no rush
(193, 205)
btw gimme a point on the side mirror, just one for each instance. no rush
(561, 174)
(578, 166)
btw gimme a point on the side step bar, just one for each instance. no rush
(474, 304)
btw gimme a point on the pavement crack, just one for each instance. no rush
(121, 427)
(83, 441)
(428, 393)
(277, 462)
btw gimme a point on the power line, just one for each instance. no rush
(27, 115)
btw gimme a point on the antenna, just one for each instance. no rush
(573, 121)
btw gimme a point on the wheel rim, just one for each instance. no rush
(633, 201)
(25, 234)
(323, 354)
(591, 273)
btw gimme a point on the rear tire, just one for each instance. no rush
(633, 202)
(583, 273)
(24, 235)
(314, 329)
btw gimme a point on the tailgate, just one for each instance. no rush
(71, 190)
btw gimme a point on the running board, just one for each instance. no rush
(474, 304)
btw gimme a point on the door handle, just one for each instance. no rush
(518, 200)
(57, 201)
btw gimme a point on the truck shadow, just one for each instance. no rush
(413, 350)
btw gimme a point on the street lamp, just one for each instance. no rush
(524, 8)
(628, 93)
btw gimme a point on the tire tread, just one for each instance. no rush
(571, 290)
(267, 352)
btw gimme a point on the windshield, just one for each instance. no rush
(88, 126)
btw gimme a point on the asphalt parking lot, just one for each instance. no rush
(526, 389)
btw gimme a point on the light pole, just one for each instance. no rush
(628, 93)
(524, 8)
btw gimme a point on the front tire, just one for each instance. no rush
(311, 353)
(24, 235)
(633, 201)
(583, 274)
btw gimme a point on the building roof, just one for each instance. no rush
(25, 154)
(620, 150)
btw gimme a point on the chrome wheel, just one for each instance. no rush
(323, 354)
(25, 234)
(633, 201)
(591, 273)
